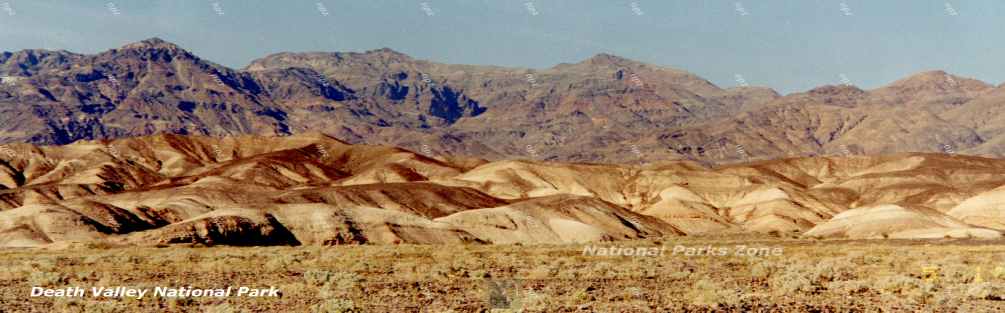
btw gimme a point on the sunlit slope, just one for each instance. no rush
(314, 189)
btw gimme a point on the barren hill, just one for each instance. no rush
(315, 189)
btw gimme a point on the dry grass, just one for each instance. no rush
(855, 276)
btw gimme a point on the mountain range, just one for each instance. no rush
(605, 109)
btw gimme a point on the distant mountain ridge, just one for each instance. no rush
(603, 109)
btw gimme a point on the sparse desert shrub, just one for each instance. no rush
(44, 279)
(581, 295)
(792, 281)
(178, 304)
(833, 269)
(872, 259)
(328, 279)
(479, 274)
(43, 263)
(898, 284)
(535, 301)
(708, 293)
(998, 272)
(850, 287)
(682, 275)
(541, 272)
(98, 245)
(84, 275)
(955, 273)
(318, 277)
(863, 258)
(925, 294)
(336, 306)
(857, 257)
(280, 263)
(761, 271)
(634, 292)
(985, 291)
(105, 307)
(220, 308)
(68, 305)
(125, 258)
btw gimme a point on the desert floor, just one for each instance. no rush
(946, 275)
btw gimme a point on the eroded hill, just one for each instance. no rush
(314, 189)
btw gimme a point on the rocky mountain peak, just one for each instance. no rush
(606, 59)
(832, 90)
(152, 43)
(32, 61)
(154, 48)
(388, 52)
(938, 81)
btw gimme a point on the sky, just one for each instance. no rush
(789, 45)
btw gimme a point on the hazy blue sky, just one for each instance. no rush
(790, 45)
